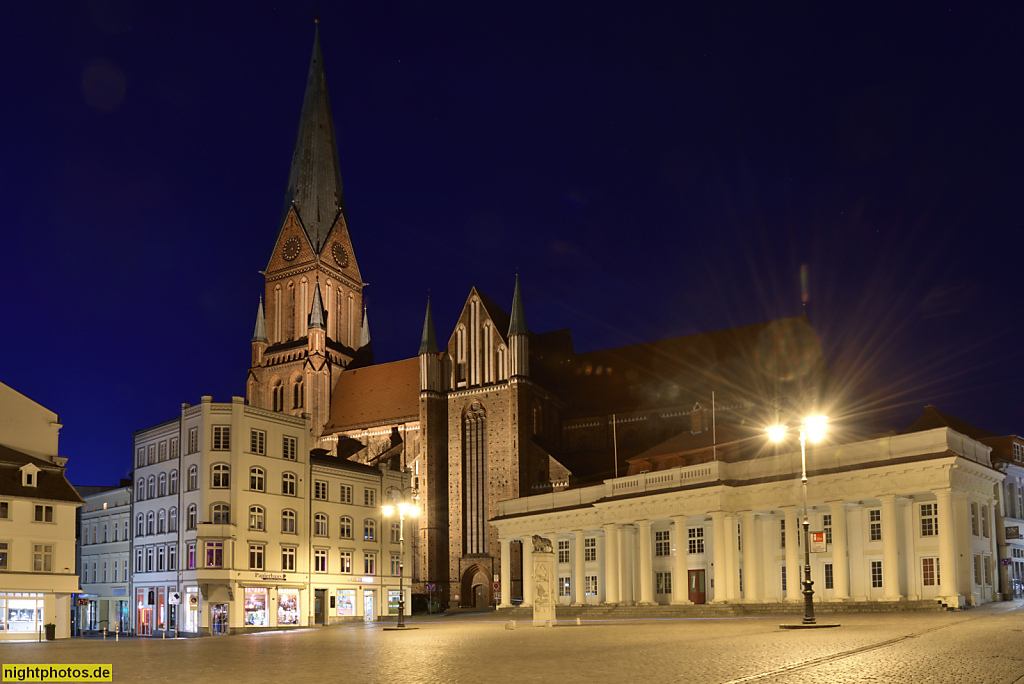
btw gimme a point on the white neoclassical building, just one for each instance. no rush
(904, 517)
(105, 545)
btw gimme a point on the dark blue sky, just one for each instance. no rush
(650, 171)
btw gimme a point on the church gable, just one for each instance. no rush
(292, 248)
(338, 255)
(478, 348)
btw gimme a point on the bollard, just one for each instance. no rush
(104, 633)
(117, 632)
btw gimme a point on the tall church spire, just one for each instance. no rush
(364, 334)
(314, 184)
(517, 326)
(260, 333)
(428, 341)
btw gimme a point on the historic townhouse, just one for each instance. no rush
(105, 541)
(37, 522)
(906, 517)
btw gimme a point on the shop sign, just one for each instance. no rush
(279, 577)
(1013, 532)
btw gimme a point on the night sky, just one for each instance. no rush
(650, 171)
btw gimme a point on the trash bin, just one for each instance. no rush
(51, 631)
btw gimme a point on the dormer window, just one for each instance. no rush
(30, 475)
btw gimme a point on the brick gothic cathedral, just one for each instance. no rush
(499, 411)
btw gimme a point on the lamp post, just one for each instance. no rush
(404, 509)
(812, 428)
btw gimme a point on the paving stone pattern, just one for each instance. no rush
(980, 645)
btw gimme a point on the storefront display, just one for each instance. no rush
(21, 612)
(394, 596)
(256, 607)
(192, 609)
(346, 602)
(287, 607)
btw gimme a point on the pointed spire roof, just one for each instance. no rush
(316, 314)
(364, 334)
(428, 341)
(517, 326)
(314, 184)
(260, 334)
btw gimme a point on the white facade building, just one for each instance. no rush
(907, 517)
(37, 522)
(105, 542)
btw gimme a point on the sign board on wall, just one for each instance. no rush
(1013, 532)
(818, 542)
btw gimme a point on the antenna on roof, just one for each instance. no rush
(804, 287)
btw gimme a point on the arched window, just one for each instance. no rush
(221, 476)
(369, 529)
(346, 527)
(221, 514)
(257, 518)
(257, 479)
(151, 523)
(396, 533)
(277, 315)
(298, 393)
(474, 478)
(320, 525)
(162, 485)
(304, 309)
(288, 522)
(288, 484)
(193, 478)
(161, 521)
(140, 525)
(174, 482)
(140, 490)
(151, 489)
(190, 522)
(172, 520)
(339, 319)
(292, 313)
(277, 395)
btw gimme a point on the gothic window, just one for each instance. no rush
(277, 392)
(460, 356)
(304, 308)
(290, 321)
(298, 393)
(474, 478)
(339, 318)
(277, 314)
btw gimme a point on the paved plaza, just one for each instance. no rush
(984, 644)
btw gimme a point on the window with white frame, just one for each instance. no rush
(161, 555)
(214, 554)
(826, 524)
(151, 488)
(172, 521)
(161, 521)
(221, 437)
(984, 521)
(929, 519)
(257, 479)
(288, 487)
(563, 586)
(290, 448)
(193, 440)
(875, 524)
(193, 478)
(255, 556)
(783, 578)
(288, 558)
(346, 527)
(163, 451)
(369, 563)
(190, 519)
(174, 482)
(662, 543)
(288, 518)
(369, 529)
(876, 574)
(221, 476)
(396, 565)
(140, 490)
(346, 562)
(663, 583)
(369, 497)
(930, 572)
(987, 575)
(44, 513)
(190, 550)
(162, 485)
(320, 490)
(591, 585)
(829, 583)
(320, 525)
(150, 558)
(151, 523)
(695, 539)
(396, 532)
(257, 518)
(977, 570)
(974, 519)
(172, 557)
(346, 494)
(139, 560)
(258, 442)
(221, 514)
(140, 525)
(590, 549)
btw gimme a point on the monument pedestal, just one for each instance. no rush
(544, 586)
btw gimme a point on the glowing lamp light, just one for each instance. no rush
(776, 433)
(815, 426)
(388, 510)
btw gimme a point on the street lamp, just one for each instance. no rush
(812, 428)
(404, 509)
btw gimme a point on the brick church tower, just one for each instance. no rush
(312, 325)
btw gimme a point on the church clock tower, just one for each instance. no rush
(311, 326)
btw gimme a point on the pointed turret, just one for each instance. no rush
(314, 184)
(260, 334)
(428, 341)
(317, 315)
(364, 333)
(518, 338)
(430, 360)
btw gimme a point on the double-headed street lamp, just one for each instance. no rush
(404, 509)
(812, 428)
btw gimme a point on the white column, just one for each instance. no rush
(719, 546)
(890, 550)
(840, 562)
(578, 583)
(627, 557)
(611, 563)
(506, 574)
(794, 567)
(646, 574)
(732, 565)
(947, 549)
(680, 596)
(527, 572)
(751, 558)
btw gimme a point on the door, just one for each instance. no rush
(320, 606)
(479, 596)
(145, 623)
(368, 613)
(220, 618)
(695, 585)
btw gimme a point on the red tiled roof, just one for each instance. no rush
(376, 394)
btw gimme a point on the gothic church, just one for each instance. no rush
(499, 411)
